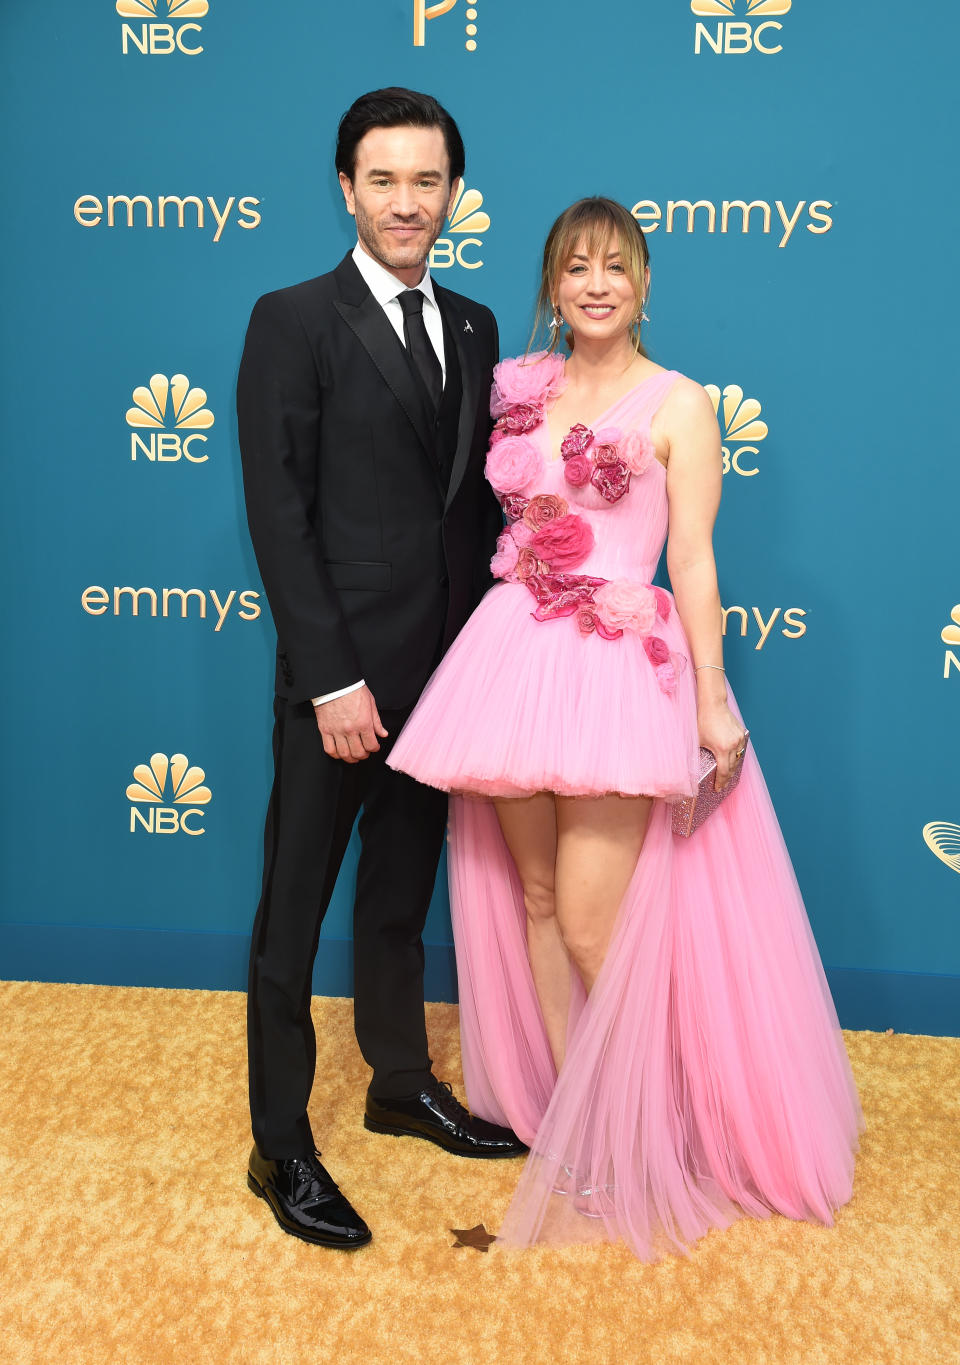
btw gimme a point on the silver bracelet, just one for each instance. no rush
(716, 666)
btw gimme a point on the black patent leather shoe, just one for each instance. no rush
(306, 1201)
(436, 1114)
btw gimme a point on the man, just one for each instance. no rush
(362, 403)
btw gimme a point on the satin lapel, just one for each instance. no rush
(465, 341)
(369, 324)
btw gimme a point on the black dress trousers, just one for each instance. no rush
(313, 805)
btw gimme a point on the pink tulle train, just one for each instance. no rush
(705, 1077)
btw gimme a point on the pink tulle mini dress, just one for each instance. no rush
(705, 1076)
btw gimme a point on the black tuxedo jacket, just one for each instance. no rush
(371, 565)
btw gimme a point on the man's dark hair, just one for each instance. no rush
(395, 107)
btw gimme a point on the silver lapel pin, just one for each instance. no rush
(467, 327)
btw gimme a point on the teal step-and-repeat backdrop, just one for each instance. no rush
(167, 161)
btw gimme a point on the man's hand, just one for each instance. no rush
(350, 726)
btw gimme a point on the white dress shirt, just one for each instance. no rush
(386, 289)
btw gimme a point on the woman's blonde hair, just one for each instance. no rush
(591, 221)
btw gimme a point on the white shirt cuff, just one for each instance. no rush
(332, 696)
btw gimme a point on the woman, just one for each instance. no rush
(648, 1012)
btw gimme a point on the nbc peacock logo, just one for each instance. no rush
(759, 30)
(950, 635)
(165, 27)
(168, 780)
(740, 427)
(172, 416)
(467, 218)
(423, 13)
(943, 841)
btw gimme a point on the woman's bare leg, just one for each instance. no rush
(529, 827)
(598, 844)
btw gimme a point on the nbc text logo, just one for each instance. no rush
(950, 635)
(155, 39)
(185, 787)
(737, 38)
(169, 403)
(738, 418)
(422, 12)
(466, 215)
(943, 839)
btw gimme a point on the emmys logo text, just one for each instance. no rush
(739, 425)
(950, 635)
(190, 603)
(466, 217)
(733, 215)
(170, 780)
(752, 621)
(169, 403)
(727, 36)
(189, 210)
(152, 37)
(423, 13)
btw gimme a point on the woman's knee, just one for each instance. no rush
(539, 900)
(584, 939)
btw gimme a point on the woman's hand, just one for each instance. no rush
(723, 735)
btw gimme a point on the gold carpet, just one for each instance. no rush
(128, 1233)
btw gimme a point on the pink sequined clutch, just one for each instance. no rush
(690, 812)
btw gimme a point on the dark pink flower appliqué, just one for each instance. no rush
(577, 441)
(543, 508)
(663, 603)
(514, 505)
(587, 619)
(657, 650)
(577, 470)
(611, 480)
(521, 418)
(563, 543)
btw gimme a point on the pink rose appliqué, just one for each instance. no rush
(504, 560)
(563, 543)
(543, 508)
(668, 673)
(587, 619)
(577, 470)
(637, 452)
(513, 464)
(622, 605)
(521, 533)
(611, 480)
(605, 449)
(530, 379)
(527, 564)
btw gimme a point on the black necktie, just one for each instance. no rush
(419, 346)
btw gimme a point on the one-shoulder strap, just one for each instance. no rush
(649, 397)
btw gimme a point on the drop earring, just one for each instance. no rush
(557, 319)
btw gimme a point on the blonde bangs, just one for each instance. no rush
(590, 222)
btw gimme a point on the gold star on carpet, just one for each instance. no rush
(477, 1237)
